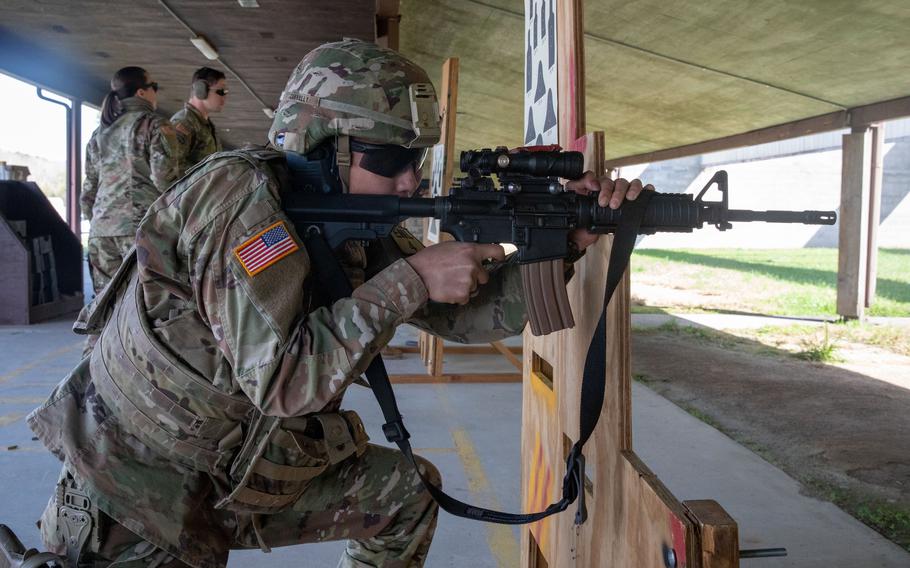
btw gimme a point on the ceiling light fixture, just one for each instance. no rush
(208, 50)
(205, 47)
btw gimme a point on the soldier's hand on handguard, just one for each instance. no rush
(452, 271)
(612, 193)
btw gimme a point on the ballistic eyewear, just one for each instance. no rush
(221, 92)
(389, 160)
(153, 86)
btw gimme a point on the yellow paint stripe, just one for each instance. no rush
(500, 537)
(434, 450)
(7, 419)
(39, 361)
(22, 399)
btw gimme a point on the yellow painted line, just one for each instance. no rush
(39, 361)
(7, 419)
(434, 450)
(23, 399)
(500, 537)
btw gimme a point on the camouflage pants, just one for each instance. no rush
(104, 257)
(376, 501)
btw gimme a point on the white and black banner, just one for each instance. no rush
(541, 82)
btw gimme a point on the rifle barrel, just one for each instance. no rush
(806, 217)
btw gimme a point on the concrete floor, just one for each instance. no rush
(472, 433)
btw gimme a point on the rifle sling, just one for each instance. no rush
(332, 277)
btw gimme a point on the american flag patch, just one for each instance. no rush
(265, 249)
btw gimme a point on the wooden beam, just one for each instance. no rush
(804, 127)
(856, 174)
(571, 70)
(388, 22)
(507, 353)
(875, 210)
(718, 532)
(858, 116)
(431, 347)
(467, 349)
(457, 378)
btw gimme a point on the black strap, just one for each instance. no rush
(332, 277)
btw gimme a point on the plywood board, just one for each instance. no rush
(633, 520)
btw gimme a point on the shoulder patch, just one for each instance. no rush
(265, 248)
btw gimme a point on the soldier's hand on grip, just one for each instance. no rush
(452, 271)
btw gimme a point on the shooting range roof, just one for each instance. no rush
(659, 74)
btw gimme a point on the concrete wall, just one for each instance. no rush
(803, 173)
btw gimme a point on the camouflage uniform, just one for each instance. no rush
(195, 135)
(200, 347)
(127, 166)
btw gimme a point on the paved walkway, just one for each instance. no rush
(472, 432)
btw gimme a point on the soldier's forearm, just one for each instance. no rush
(496, 312)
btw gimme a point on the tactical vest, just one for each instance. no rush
(177, 412)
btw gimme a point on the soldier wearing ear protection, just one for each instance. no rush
(208, 416)
(195, 131)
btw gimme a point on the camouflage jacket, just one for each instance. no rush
(246, 324)
(127, 166)
(196, 137)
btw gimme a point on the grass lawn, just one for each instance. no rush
(794, 282)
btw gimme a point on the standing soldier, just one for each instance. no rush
(129, 161)
(195, 131)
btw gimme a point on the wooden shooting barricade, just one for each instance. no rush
(634, 521)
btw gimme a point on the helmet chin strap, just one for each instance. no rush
(343, 160)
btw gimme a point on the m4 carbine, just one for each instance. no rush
(529, 208)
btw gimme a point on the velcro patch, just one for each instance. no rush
(265, 248)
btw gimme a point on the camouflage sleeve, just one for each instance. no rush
(496, 312)
(287, 359)
(183, 136)
(90, 185)
(163, 154)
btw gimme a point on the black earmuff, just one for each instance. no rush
(200, 89)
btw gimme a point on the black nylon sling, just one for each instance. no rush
(332, 277)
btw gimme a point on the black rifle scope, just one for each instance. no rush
(569, 165)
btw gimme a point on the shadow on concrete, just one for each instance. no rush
(842, 434)
(885, 287)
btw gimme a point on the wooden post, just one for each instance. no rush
(875, 209)
(718, 533)
(387, 23)
(431, 347)
(853, 253)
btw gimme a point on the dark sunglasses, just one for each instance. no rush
(221, 92)
(389, 160)
(153, 86)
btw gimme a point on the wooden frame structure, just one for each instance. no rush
(633, 519)
(430, 347)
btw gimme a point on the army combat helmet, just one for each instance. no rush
(356, 89)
